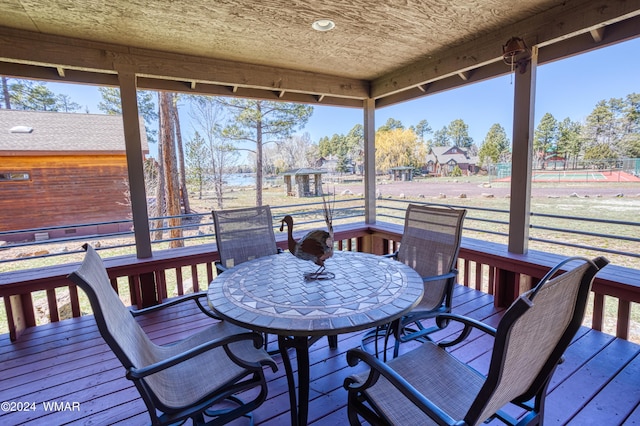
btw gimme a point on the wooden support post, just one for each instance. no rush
(135, 166)
(523, 114)
(369, 161)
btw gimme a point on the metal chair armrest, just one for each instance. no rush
(393, 255)
(378, 368)
(196, 297)
(138, 373)
(469, 325)
(451, 274)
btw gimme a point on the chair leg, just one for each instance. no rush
(266, 344)
(333, 341)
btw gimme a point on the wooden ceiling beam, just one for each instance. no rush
(28, 71)
(25, 47)
(566, 20)
(147, 83)
(437, 86)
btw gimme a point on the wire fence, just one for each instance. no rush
(548, 232)
(559, 170)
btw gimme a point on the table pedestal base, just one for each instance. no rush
(299, 400)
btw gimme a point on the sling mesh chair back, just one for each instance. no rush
(184, 379)
(243, 234)
(430, 245)
(428, 385)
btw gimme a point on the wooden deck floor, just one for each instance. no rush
(68, 362)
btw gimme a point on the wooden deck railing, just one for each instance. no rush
(483, 265)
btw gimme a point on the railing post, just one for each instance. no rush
(148, 290)
(510, 285)
(624, 318)
(370, 243)
(20, 314)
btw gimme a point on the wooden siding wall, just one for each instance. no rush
(95, 183)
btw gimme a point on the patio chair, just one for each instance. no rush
(185, 379)
(430, 244)
(428, 385)
(246, 234)
(243, 234)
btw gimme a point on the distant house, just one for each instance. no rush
(48, 159)
(442, 160)
(332, 163)
(554, 161)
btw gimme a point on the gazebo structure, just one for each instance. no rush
(303, 182)
(402, 173)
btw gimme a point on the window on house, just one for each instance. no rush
(13, 176)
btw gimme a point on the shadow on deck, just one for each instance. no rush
(69, 363)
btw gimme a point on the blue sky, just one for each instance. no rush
(568, 88)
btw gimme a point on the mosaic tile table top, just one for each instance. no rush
(270, 294)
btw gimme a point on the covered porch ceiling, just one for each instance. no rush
(388, 51)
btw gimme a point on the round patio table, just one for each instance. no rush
(271, 295)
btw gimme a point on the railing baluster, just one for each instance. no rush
(161, 285)
(624, 311)
(194, 278)
(114, 285)
(209, 275)
(179, 284)
(481, 265)
(75, 301)
(134, 284)
(467, 275)
(52, 301)
(598, 312)
(491, 284)
(478, 285)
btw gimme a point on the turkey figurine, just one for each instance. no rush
(315, 246)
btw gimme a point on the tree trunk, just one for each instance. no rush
(171, 170)
(182, 178)
(5, 93)
(159, 210)
(259, 158)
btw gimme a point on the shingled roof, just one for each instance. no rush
(45, 132)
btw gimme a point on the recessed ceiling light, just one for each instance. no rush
(323, 25)
(21, 129)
